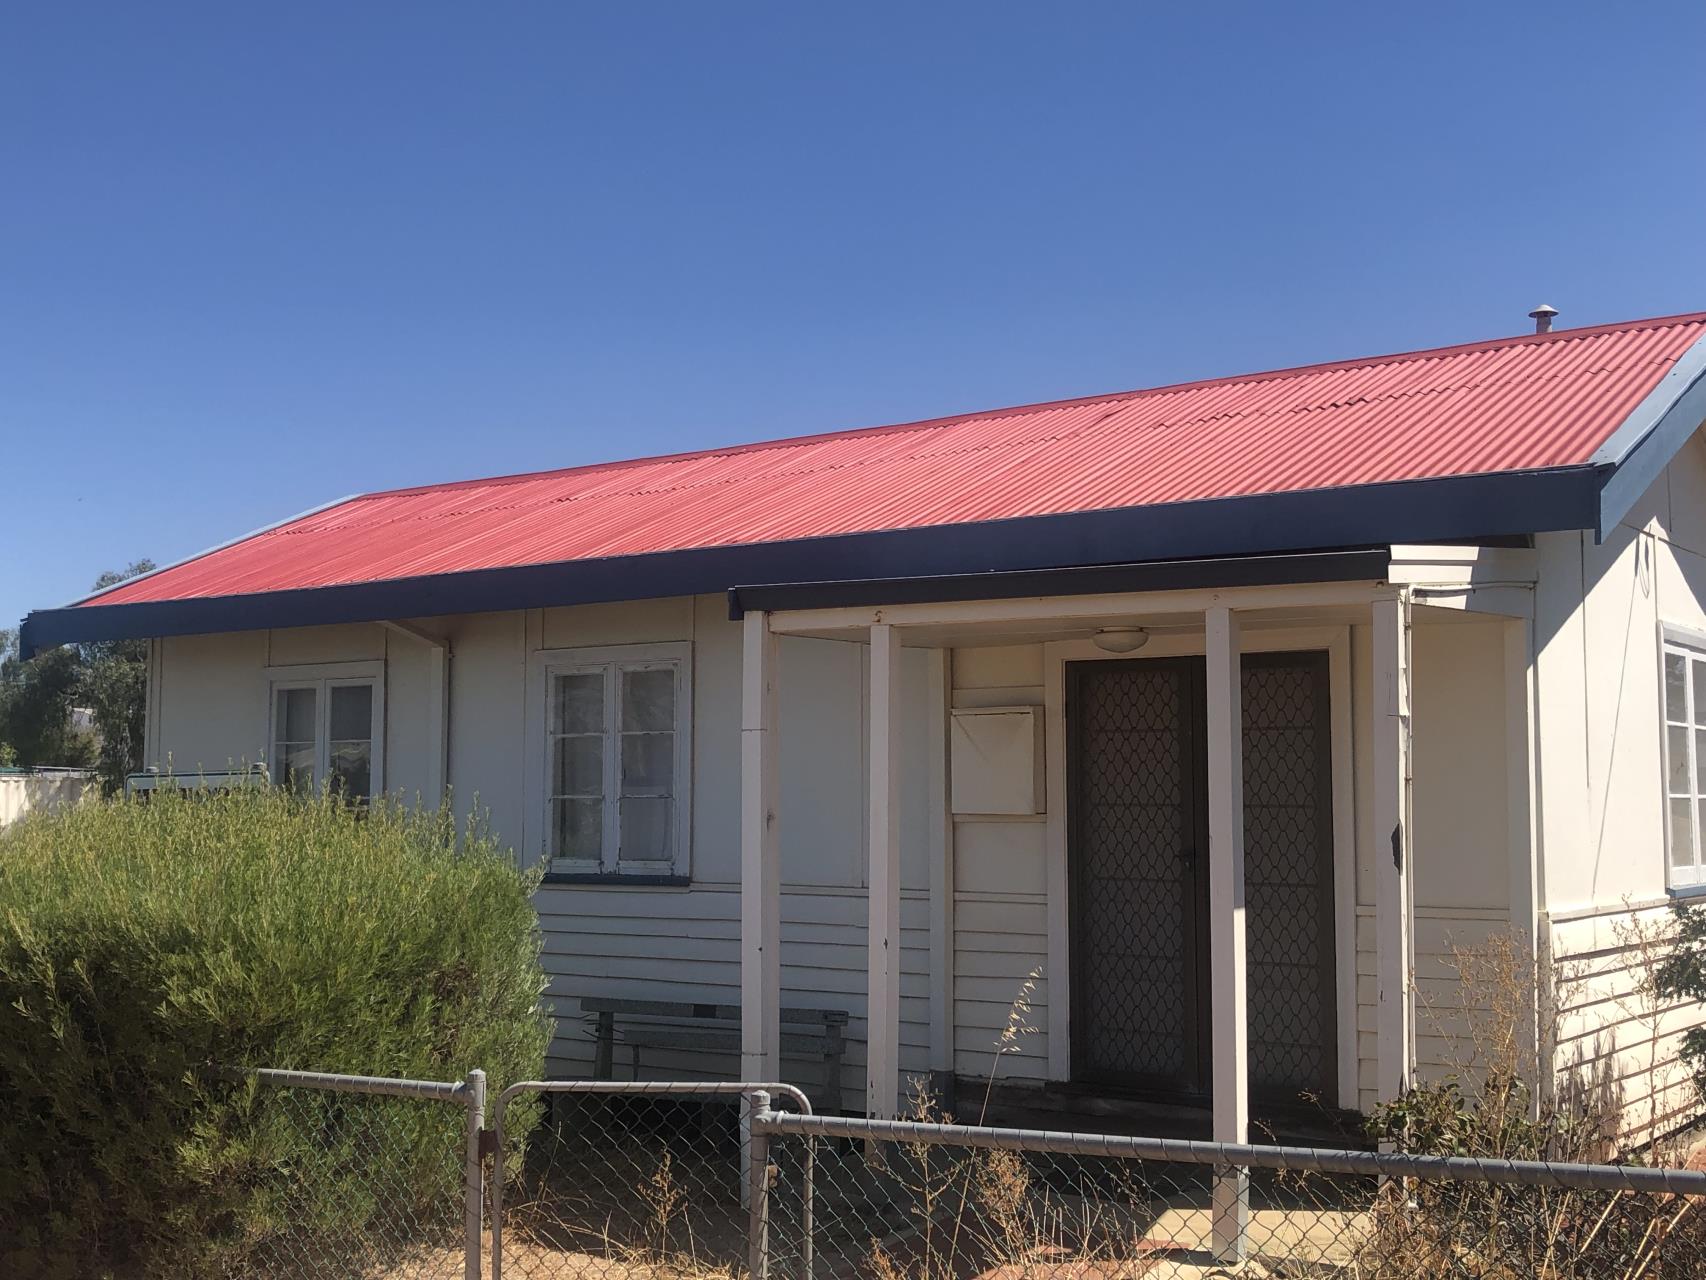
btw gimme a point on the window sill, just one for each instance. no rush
(625, 880)
(1685, 891)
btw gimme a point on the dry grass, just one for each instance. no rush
(527, 1258)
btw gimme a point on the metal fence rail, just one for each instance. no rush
(1379, 1164)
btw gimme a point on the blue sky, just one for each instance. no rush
(256, 258)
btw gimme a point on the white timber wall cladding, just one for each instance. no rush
(1000, 895)
(1601, 716)
(684, 943)
(212, 706)
(1618, 1043)
(1460, 842)
(208, 699)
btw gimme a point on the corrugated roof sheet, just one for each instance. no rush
(1513, 404)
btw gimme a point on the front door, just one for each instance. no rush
(1137, 760)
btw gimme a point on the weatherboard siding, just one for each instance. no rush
(1000, 938)
(1600, 610)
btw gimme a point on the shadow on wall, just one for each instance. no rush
(1619, 1037)
(1601, 1081)
(42, 791)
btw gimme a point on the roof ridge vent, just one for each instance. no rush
(1542, 317)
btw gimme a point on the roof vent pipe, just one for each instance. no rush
(1542, 317)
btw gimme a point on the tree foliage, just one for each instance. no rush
(114, 686)
(36, 698)
(109, 678)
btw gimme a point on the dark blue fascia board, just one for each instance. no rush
(1438, 510)
(1636, 454)
(1368, 565)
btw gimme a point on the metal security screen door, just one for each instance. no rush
(1288, 875)
(1139, 892)
(1138, 887)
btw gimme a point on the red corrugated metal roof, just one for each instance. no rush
(1512, 404)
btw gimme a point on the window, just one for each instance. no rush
(616, 760)
(1685, 756)
(326, 727)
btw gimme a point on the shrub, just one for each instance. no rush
(143, 944)
(1682, 976)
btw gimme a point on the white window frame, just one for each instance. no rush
(1690, 645)
(547, 665)
(323, 677)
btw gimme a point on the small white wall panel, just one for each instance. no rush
(997, 760)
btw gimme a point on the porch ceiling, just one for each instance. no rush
(996, 631)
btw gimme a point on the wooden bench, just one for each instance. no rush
(815, 1034)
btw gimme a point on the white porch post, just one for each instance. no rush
(1228, 966)
(1528, 891)
(760, 859)
(882, 1034)
(941, 849)
(1391, 742)
(438, 723)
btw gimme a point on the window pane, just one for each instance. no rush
(1682, 833)
(351, 710)
(1676, 690)
(577, 828)
(1700, 761)
(648, 700)
(1676, 760)
(293, 765)
(647, 829)
(579, 703)
(295, 715)
(293, 746)
(1699, 669)
(648, 763)
(352, 768)
(579, 770)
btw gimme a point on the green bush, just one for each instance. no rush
(143, 944)
(1682, 976)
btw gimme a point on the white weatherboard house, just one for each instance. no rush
(1222, 709)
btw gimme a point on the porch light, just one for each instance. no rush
(1121, 639)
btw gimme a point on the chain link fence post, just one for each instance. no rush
(756, 1142)
(500, 1158)
(1231, 1213)
(474, 1189)
(808, 1175)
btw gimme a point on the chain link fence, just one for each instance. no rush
(383, 1179)
(624, 1179)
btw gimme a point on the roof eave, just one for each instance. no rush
(1432, 510)
(1635, 454)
